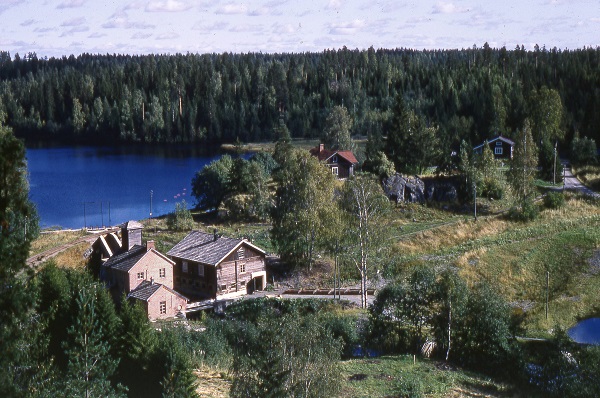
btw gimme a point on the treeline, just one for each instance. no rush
(470, 94)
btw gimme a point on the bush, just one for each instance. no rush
(181, 219)
(493, 188)
(528, 211)
(410, 387)
(554, 200)
(583, 151)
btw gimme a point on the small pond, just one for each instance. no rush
(586, 331)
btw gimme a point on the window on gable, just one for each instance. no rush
(498, 150)
(241, 253)
(334, 159)
(184, 267)
(498, 143)
(140, 275)
(334, 171)
(163, 307)
(162, 273)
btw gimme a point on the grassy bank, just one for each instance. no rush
(589, 175)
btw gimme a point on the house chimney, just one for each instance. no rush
(152, 280)
(149, 245)
(321, 147)
(215, 235)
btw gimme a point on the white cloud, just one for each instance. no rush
(246, 28)
(71, 4)
(141, 35)
(7, 4)
(348, 28)
(334, 4)
(284, 29)
(448, 8)
(167, 36)
(74, 22)
(120, 20)
(167, 6)
(232, 8)
(217, 26)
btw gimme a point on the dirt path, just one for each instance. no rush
(573, 184)
(39, 258)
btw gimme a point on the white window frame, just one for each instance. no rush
(498, 150)
(335, 171)
(184, 267)
(201, 270)
(162, 273)
(334, 159)
(241, 253)
(140, 275)
(163, 307)
(242, 268)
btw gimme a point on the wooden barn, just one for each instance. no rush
(209, 266)
(341, 163)
(501, 147)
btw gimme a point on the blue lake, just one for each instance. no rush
(112, 185)
(586, 331)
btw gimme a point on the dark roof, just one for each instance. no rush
(146, 289)
(496, 138)
(204, 248)
(125, 261)
(325, 154)
(131, 225)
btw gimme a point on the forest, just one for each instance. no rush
(470, 94)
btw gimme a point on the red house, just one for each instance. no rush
(341, 163)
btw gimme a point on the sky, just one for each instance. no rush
(65, 27)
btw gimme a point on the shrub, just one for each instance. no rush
(181, 219)
(527, 212)
(410, 387)
(554, 200)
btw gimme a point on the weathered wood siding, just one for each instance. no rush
(192, 283)
(233, 276)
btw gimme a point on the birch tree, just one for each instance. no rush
(524, 165)
(365, 205)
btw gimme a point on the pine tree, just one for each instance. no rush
(18, 227)
(90, 363)
(337, 130)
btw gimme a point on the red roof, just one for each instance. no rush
(323, 154)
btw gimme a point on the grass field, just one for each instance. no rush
(589, 175)
(52, 239)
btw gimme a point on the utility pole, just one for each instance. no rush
(151, 193)
(84, 215)
(475, 200)
(102, 214)
(109, 222)
(547, 291)
(554, 181)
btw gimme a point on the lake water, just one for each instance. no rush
(112, 185)
(586, 331)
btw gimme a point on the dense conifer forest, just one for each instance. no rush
(469, 94)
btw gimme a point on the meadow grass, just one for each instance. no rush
(49, 240)
(589, 175)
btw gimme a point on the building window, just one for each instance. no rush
(498, 143)
(242, 268)
(200, 270)
(140, 275)
(241, 253)
(163, 307)
(334, 171)
(184, 267)
(334, 159)
(162, 272)
(498, 150)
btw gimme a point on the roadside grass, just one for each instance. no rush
(212, 383)
(514, 257)
(52, 239)
(589, 175)
(72, 257)
(398, 376)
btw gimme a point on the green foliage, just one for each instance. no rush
(303, 207)
(409, 387)
(527, 211)
(337, 130)
(288, 356)
(491, 182)
(554, 200)
(181, 219)
(523, 167)
(265, 160)
(178, 380)
(211, 184)
(411, 144)
(547, 165)
(583, 151)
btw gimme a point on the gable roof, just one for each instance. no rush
(496, 138)
(204, 248)
(127, 260)
(131, 225)
(324, 154)
(146, 289)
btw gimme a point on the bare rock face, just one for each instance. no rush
(403, 189)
